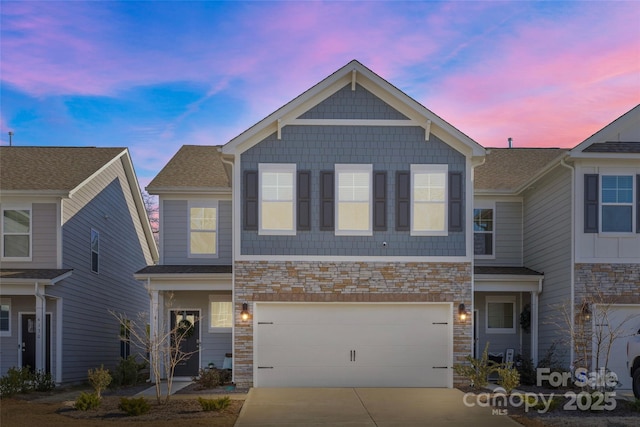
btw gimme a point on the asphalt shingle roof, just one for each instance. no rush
(193, 166)
(32, 273)
(516, 271)
(508, 169)
(51, 168)
(186, 269)
(613, 147)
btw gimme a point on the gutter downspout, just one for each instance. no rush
(233, 276)
(473, 260)
(573, 256)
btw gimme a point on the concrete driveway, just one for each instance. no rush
(355, 407)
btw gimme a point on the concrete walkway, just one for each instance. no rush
(175, 386)
(354, 407)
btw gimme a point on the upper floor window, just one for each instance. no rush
(16, 233)
(277, 198)
(617, 203)
(5, 317)
(220, 313)
(203, 229)
(483, 231)
(353, 202)
(429, 200)
(95, 251)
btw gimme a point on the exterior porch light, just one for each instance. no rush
(462, 312)
(244, 314)
(585, 311)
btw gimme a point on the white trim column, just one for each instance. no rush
(41, 330)
(534, 327)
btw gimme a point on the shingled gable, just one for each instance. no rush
(351, 74)
(619, 139)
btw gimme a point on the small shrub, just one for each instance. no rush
(17, 380)
(208, 378)
(133, 406)
(128, 372)
(225, 376)
(526, 370)
(99, 379)
(87, 401)
(554, 403)
(509, 378)
(478, 370)
(43, 381)
(217, 405)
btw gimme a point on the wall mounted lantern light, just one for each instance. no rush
(462, 312)
(585, 311)
(244, 314)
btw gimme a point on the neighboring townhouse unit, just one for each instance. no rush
(352, 240)
(73, 230)
(193, 280)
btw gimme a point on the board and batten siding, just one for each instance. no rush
(508, 236)
(175, 234)
(547, 249)
(43, 238)
(90, 331)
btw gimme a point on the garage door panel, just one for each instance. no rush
(353, 345)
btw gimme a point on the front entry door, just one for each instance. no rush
(29, 341)
(190, 344)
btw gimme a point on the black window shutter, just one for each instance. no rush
(327, 201)
(251, 200)
(591, 203)
(455, 202)
(304, 200)
(637, 203)
(403, 200)
(379, 201)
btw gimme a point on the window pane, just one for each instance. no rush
(277, 186)
(429, 216)
(617, 218)
(277, 215)
(353, 216)
(500, 315)
(16, 246)
(203, 242)
(617, 189)
(221, 314)
(4, 317)
(203, 218)
(483, 244)
(353, 186)
(95, 241)
(16, 221)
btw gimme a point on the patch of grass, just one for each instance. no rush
(217, 405)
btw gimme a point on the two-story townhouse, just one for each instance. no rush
(73, 231)
(193, 280)
(352, 240)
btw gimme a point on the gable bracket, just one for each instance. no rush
(427, 130)
(353, 79)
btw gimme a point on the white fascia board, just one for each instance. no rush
(176, 192)
(332, 258)
(34, 194)
(625, 156)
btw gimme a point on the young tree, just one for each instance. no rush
(151, 206)
(161, 347)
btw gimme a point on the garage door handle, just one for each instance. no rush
(265, 367)
(440, 367)
(439, 323)
(352, 355)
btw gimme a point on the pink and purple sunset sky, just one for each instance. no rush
(153, 76)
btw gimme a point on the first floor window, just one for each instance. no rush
(617, 203)
(353, 207)
(429, 199)
(277, 198)
(16, 233)
(220, 313)
(203, 227)
(483, 231)
(95, 251)
(5, 317)
(501, 315)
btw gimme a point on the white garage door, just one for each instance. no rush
(353, 345)
(624, 321)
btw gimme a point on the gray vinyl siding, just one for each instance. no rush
(213, 345)
(547, 237)
(43, 238)
(508, 236)
(90, 332)
(175, 234)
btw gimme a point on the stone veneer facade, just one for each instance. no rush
(313, 281)
(605, 284)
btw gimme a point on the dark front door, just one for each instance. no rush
(190, 320)
(29, 341)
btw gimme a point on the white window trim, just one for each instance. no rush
(614, 172)
(500, 299)
(7, 301)
(219, 298)
(91, 251)
(14, 207)
(202, 204)
(492, 206)
(431, 168)
(281, 168)
(341, 168)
